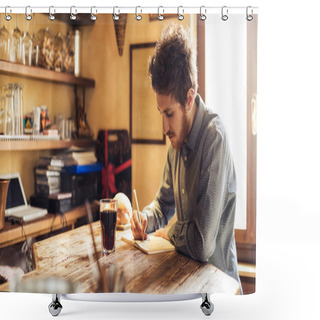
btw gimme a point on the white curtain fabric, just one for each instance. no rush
(226, 92)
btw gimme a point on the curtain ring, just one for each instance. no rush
(138, 16)
(51, 15)
(224, 13)
(249, 16)
(203, 16)
(115, 15)
(93, 17)
(73, 15)
(160, 16)
(28, 16)
(180, 15)
(7, 16)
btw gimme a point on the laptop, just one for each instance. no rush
(16, 206)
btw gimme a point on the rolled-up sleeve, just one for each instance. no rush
(197, 237)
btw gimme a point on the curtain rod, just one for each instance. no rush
(135, 10)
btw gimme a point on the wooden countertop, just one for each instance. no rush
(66, 256)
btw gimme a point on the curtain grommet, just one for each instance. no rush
(203, 13)
(138, 16)
(51, 13)
(160, 16)
(249, 17)
(28, 15)
(116, 16)
(224, 13)
(73, 15)
(7, 16)
(93, 17)
(180, 15)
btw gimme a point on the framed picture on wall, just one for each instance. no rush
(145, 119)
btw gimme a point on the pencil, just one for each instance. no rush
(139, 217)
(135, 196)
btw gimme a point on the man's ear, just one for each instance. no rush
(190, 98)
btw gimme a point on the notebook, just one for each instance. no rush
(16, 206)
(151, 245)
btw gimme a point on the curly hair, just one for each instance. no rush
(173, 67)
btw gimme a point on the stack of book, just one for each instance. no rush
(48, 181)
(78, 157)
(55, 163)
(48, 172)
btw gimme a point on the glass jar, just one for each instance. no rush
(37, 53)
(9, 111)
(2, 114)
(27, 49)
(16, 48)
(18, 108)
(59, 52)
(48, 49)
(5, 44)
(69, 59)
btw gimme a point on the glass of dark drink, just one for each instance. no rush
(108, 220)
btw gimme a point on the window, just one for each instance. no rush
(231, 66)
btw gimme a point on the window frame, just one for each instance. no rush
(246, 238)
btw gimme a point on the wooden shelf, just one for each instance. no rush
(31, 72)
(18, 145)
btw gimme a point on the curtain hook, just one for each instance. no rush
(180, 15)
(116, 15)
(28, 16)
(160, 16)
(224, 13)
(7, 16)
(51, 13)
(73, 15)
(249, 16)
(203, 16)
(138, 16)
(93, 17)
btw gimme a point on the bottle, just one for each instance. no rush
(27, 47)
(5, 44)
(18, 108)
(77, 53)
(59, 52)
(69, 59)
(16, 48)
(48, 49)
(9, 111)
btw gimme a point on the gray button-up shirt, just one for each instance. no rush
(199, 183)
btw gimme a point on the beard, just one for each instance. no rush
(178, 140)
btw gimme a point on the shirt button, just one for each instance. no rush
(182, 191)
(185, 158)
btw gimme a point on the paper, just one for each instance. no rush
(151, 246)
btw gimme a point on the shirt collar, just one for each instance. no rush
(196, 126)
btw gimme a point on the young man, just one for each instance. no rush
(195, 205)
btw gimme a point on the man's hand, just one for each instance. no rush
(164, 231)
(138, 230)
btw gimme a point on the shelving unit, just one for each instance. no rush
(31, 72)
(41, 74)
(21, 145)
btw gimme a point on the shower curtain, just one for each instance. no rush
(157, 107)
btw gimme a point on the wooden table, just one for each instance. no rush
(66, 256)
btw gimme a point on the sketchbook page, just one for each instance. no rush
(150, 246)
